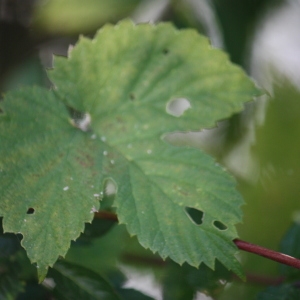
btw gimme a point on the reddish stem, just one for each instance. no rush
(270, 254)
(258, 279)
(242, 245)
(106, 215)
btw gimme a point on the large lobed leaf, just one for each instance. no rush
(75, 282)
(125, 79)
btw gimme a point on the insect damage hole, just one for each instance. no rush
(195, 215)
(165, 51)
(219, 225)
(132, 96)
(176, 107)
(110, 187)
(30, 211)
(80, 120)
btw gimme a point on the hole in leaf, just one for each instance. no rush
(79, 119)
(220, 225)
(178, 106)
(166, 51)
(195, 215)
(110, 187)
(30, 211)
(132, 96)
(75, 114)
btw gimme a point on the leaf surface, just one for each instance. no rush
(289, 245)
(10, 287)
(75, 282)
(50, 172)
(280, 292)
(128, 90)
(128, 79)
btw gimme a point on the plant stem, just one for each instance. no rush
(106, 215)
(270, 254)
(262, 280)
(242, 245)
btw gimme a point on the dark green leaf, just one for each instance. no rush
(282, 292)
(10, 287)
(96, 229)
(75, 282)
(131, 294)
(9, 243)
(290, 245)
(35, 291)
(182, 282)
(10, 283)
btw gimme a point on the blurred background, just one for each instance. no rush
(259, 146)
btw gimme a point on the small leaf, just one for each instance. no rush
(75, 282)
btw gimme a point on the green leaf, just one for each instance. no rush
(10, 287)
(97, 228)
(281, 292)
(9, 243)
(50, 172)
(101, 254)
(75, 282)
(131, 294)
(290, 245)
(180, 281)
(34, 290)
(10, 283)
(126, 78)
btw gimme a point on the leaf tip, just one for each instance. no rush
(42, 273)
